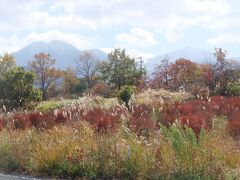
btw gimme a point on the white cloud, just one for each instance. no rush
(208, 6)
(15, 43)
(46, 21)
(136, 54)
(224, 39)
(39, 20)
(173, 28)
(169, 19)
(136, 38)
(133, 53)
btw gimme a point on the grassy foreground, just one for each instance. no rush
(97, 138)
(170, 153)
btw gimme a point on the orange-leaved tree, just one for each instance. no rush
(46, 74)
(182, 74)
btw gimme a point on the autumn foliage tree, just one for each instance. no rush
(161, 74)
(70, 81)
(46, 74)
(7, 62)
(182, 74)
(223, 71)
(206, 78)
(195, 77)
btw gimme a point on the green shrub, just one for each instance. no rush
(201, 156)
(17, 88)
(125, 93)
(233, 89)
(48, 105)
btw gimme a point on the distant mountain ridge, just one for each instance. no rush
(64, 53)
(194, 54)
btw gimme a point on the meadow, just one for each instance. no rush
(161, 135)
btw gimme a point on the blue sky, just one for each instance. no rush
(143, 27)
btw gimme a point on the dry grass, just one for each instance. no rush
(156, 97)
(79, 151)
(106, 140)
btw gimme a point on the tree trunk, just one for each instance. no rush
(44, 97)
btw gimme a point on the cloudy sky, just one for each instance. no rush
(144, 27)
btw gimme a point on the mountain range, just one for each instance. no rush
(193, 54)
(66, 54)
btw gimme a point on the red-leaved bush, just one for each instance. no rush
(199, 113)
(140, 118)
(40, 120)
(20, 120)
(35, 118)
(196, 114)
(103, 120)
(196, 122)
(234, 127)
(1, 124)
(61, 116)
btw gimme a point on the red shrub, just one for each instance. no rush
(21, 121)
(61, 116)
(102, 120)
(199, 113)
(1, 124)
(169, 114)
(119, 112)
(234, 127)
(140, 118)
(196, 114)
(196, 122)
(47, 120)
(42, 120)
(105, 123)
(35, 118)
(219, 105)
(185, 109)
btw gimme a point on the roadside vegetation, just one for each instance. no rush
(181, 123)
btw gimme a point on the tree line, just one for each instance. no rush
(42, 80)
(220, 78)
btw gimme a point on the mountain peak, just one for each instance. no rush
(59, 43)
(64, 53)
(54, 43)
